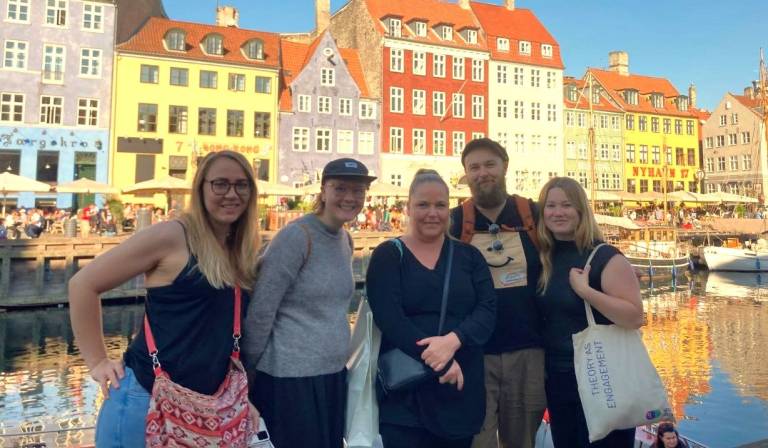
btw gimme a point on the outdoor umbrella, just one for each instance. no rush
(86, 186)
(271, 189)
(385, 189)
(722, 196)
(165, 185)
(11, 183)
(688, 196)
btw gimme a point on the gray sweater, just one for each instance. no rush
(297, 324)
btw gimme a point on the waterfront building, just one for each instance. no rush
(427, 60)
(607, 121)
(660, 130)
(735, 145)
(326, 111)
(185, 89)
(55, 103)
(525, 93)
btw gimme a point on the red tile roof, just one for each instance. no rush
(603, 104)
(150, 40)
(615, 83)
(752, 103)
(434, 12)
(516, 25)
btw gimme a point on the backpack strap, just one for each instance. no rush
(468, 217)
(399, 245)
(524, 210)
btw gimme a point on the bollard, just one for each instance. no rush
(70, 227)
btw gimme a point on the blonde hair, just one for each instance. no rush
(423, 176)
(236, 263)
(587, 231)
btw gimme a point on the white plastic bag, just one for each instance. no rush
(362, 420)
(618, 385)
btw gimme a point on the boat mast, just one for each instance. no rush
(667, 154)
(591, 146)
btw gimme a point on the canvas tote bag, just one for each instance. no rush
(618, 385)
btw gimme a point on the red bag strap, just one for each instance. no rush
(236, 335)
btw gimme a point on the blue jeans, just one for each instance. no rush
(122, 417)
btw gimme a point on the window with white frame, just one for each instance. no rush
(419, 102)
(709, 142)
(581, 120)
(458, 68)
(345, 106)
(214, 44)
(438, 104)
(552, 143)
(327, 76)
(345, 143)
(419, 141)
(525, 47)
(175, 40)
(746, 162)
(438, 143)
(305, 103)
(367, 110)
(711, 188)
(709, 164)
(18, 11)
(535, 111)
(365, 143)
(615, 122)
(519, 77)
(582, 149)
(322, 140)
(551, 112)
(721, 163)
(15, 54)
(478, 107)
(733, 139)
(93, 17)
(720, 141)
(745, 137)
(604, 153)
(471, 36)
(419, 63)
(570, 119)
(502, 139)
(519, 111)
(11, 107)
(616, 151)
(51, 108)
(87, 112)
(570, 150)
(476, 135)
(478, 70)
(396, 60)
(501, 74)
(324, 105)
(535, 78)
(605, 181)
(179, 76)
(149, 74)
(300, 139)
(734, 118)
(459, 140)
(457, 105)
(546, 50)
(396, 179)
(519, 143)
(446, 32)
(420, 28)
(438, 65)
(734, 163)
(395, 27)
(551, 77)
(90, 62)
(396, 140)
(56, 12)
(501, 108)
(502, 44)
(396, 99)
(53, 62)
(723, 120)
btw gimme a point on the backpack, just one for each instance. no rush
(523, 209)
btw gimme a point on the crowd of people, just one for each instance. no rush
(476, 306)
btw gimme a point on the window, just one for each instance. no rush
(657, 100)
(396, 179)
(745, 138)
(630, 96)
(419, 102)
(546, 50)
(53, 63)
(459, 140)
(615, 122)
(746, 162)
(656, 159)
(733, 139)
(206, 121)
(551, 78)
(263, 84)
(214, 44)
(300, 139)
(679, 156)
(501, 108)
(93, 17)
(254, 49)
(478, 70)
(345, 106)
(438, 143)
(47, 166)
(501, 74)
(667, 125)
(150, 74)
(669, 156)
(367, 110)
(420, 29)
(551, 112)
(721, 163)
(643, 154)
(395, 27)
(519, 143)
(471, 37)
(476, 135)
(322, 140)
(734, 163)
(419, 145)
(581, 120)
(438, 65)
(324, 105)
(345, 142)
(734, 118)
(90, 62)
(18, 11)
(365, 142)
(630, 124)
(720, 141)
(396, 99)
(478, 107)
(616, 150)
(419, 63)
(458, 105)
(654, 124)
(605, 181)
(525, 47)
(305, 103)
(15, 55)
(502, 44)
(519, 110)
(236, 82)
(87, 112)
(519, 78)
(604, 153)
(446, 32)
(643, 185)
(209, 80)
(395, 60)
(396, 140)
(535, 111)
(570, 118)
(709, 142)
(51, 109)
(458, 68)
(179, 76)
(642, 123)
(438, 104)
(175, 40)
(630, 153)
(262, 124)
(689, 127)
(56, 12)
(147, 117)
(12, 107)
(691, 157)
(710, 165)
(657, 186)
(723, 120)
(535, 77)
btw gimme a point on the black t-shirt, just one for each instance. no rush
(562, 309)
(515, 270)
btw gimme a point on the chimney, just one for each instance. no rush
(463, 4)
(692, 95)
(509, 4)
(757, 89)
(227, 16)
(749, 92)
(322, 15)
(618, 61)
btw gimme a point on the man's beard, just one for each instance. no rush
(489, 198)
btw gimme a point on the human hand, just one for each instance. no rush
(579, 280)
(454, 375)
(439, 351)
(108, 373)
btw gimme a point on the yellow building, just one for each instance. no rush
(182, 90)
(661, 139)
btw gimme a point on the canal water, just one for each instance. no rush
(708, 337)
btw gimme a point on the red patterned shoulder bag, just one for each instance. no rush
(180, 417)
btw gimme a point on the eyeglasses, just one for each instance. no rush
(343, 190)
(221, 187)
(496, 244)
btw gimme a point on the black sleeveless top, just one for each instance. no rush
(192, 325)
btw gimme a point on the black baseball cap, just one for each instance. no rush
(347, 168)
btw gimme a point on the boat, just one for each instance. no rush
(644, 436)
(738, 259)
(653, 251)
(742, 285)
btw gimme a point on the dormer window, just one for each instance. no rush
(546, 50)
(595, 95)
(214, 44)
(502, 44)
(470, 36)
(254, 49)
(419, 28)
(175, 40)
(630, 96)
(394, 27)
(446, 32)
(682, 103)
(572, 92)
(525, 47)
(657, 100)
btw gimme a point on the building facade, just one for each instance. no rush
(325, 111)
(183, 90)
(55, 101)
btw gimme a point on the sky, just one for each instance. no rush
(712, 44)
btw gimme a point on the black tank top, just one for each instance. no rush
(192, 324)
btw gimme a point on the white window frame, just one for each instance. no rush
(345, 141)
(551, 112)
(478, 70)
(524, 47)
(90, 111)
(535, 77)
(324, 105)
(518, 76)
(396, 99)
(502, 108)
(396, 140)
(551, 77)
(367, 110)
(305, 103)
(420, 28)
(22, 9)
(345, 107)
(746, 137)
(419, 102)
(519, 110)
(91, 58)
(457, 105)
(458, 67)
(501, 74)
(546, 51)
(396, 60)
(55, 63)
(10, 105)
(48, 111)
(446, 32)
(746, 162)
(478, 107)
(419, 63)
(14, 54)
(476, 135)
(395, 27)
(438, 104)
(502, 44)
(327, 136)
(471, 37)
(733, 163)
(419, 141)
(97, 17)
(60, 9)
(438, 142)
(438, 65)
(327, 76)
(302, 134)
(365, 142)
(458, 140)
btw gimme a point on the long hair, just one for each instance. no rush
(234, 264)
(587, 231)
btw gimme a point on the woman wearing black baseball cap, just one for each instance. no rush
(296, 333)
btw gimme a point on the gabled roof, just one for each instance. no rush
(297, 55)
(150, 40)
(582, 102)
(434, 12)
(615, 83)
(751, 103)
(516, 25)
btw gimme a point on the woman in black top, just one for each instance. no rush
(405, 294)
(568, 233)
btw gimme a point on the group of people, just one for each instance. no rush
(502, 276)
(380, 218)
(28, 223)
